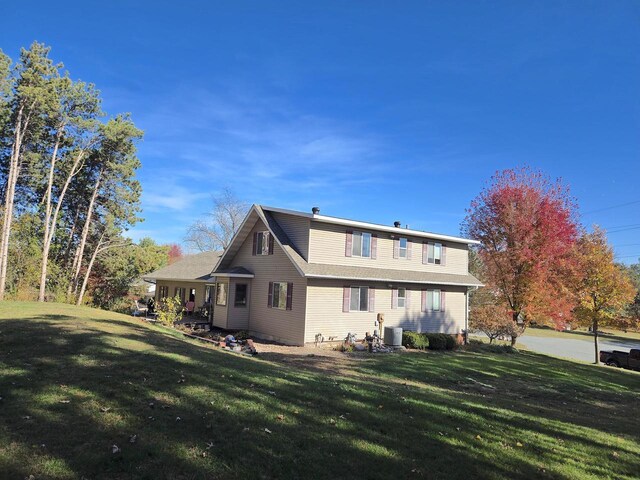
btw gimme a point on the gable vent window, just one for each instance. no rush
(262, 243)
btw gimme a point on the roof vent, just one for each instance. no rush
(397, 224)
(315, 210)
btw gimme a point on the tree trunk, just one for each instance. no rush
(87, 274)
(46, 244)
(12, 180)
(514, 339)
(595, 341)
(50, 228)
(77, 258)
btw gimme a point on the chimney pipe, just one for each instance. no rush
(397, 224)
(315, 210)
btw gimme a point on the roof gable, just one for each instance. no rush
(256, 213)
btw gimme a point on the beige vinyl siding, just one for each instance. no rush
(221, 312)
(173, 284)
(297, 229)
(325, 315)
(238, 317)
(327, 245)
(286, 326)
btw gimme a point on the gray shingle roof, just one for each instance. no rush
(316, 270)
(191, 267)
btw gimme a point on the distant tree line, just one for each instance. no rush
(68, 188)
(539, 264)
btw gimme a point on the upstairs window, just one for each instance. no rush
(432, 253)
(361, 244)
(402, 248)
(262, 243)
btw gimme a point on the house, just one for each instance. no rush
(289, 276)
(189, 278)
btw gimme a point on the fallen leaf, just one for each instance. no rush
(280, 417)
(267, 431)
(478, 437)
(133, 438)
(209, 445)
(518, 444)
(105, 409)
(178, 419)
(115, 448)
(65, 401)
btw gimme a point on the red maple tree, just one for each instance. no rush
(174, 253)
(527, 229)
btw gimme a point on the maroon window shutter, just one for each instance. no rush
(372, 299)
(346, 299)
(407, 299)
(289, 295)
(374, 246)
(443, 255)
(442, 300)
(255, 243)
(423, 306)
(270, 297)
(396, 248)
(270, 243)
(348, 245)
(394, 298)
(425, 252)
(408, 249)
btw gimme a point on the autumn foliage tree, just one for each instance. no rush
(604, 288)
(494, 321)
(527, 229)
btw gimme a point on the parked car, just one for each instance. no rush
(616, 358)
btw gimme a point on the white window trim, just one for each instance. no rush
(403, 298)
(402, 249)
(434, 296)
(273, 295)
(431, 246)
(359, 287)
(264, 245)
(355, 235)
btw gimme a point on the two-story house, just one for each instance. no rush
(289, 276)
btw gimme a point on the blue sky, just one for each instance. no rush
(378, 111)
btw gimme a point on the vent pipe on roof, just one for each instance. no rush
(315, 210)
(397, 224)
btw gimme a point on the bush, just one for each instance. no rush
(480, 346)
(437, 341)
(450, 342)
(169, 310)
(415, 340)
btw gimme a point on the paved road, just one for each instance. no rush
(574, 349)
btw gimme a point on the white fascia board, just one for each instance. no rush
(394, 230)
(374, 226)
(234, 275)
(388, 280)
(184, 280)
(226, 250)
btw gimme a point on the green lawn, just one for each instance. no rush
(76, 381)
(583, 334)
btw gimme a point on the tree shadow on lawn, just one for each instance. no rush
(123, 379)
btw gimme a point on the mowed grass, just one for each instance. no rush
(583, 334)
(75, 382)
